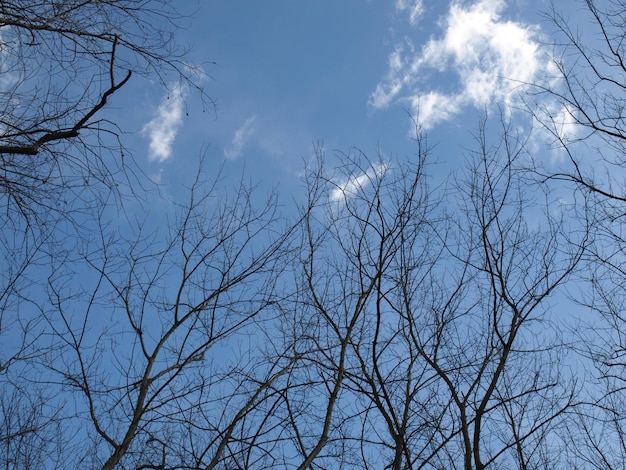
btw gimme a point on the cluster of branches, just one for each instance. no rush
(61, 63)
(395, 323)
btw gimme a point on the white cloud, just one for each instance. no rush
(396, 78)
(415, 8)
(163, 127)
(432, 107)
(352, 185)
(240, 139)
(486, 58)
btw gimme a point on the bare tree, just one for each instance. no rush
(61, 64)
(61, 159)
(408, 328)
(591, 90)
(427, 325)
(504, 377)
(145, 344)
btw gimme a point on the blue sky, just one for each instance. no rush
(286, 75)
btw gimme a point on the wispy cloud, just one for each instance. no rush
(164, 126)
(486, 58)
(240, 139)
(414, 8)
(352, 185)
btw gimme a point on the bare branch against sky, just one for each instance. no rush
(221, 249)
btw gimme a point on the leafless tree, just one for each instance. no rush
(514, 251)
(61, 158)
(427, 324)
(141, 337)
(62, 62)
(591, 89)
